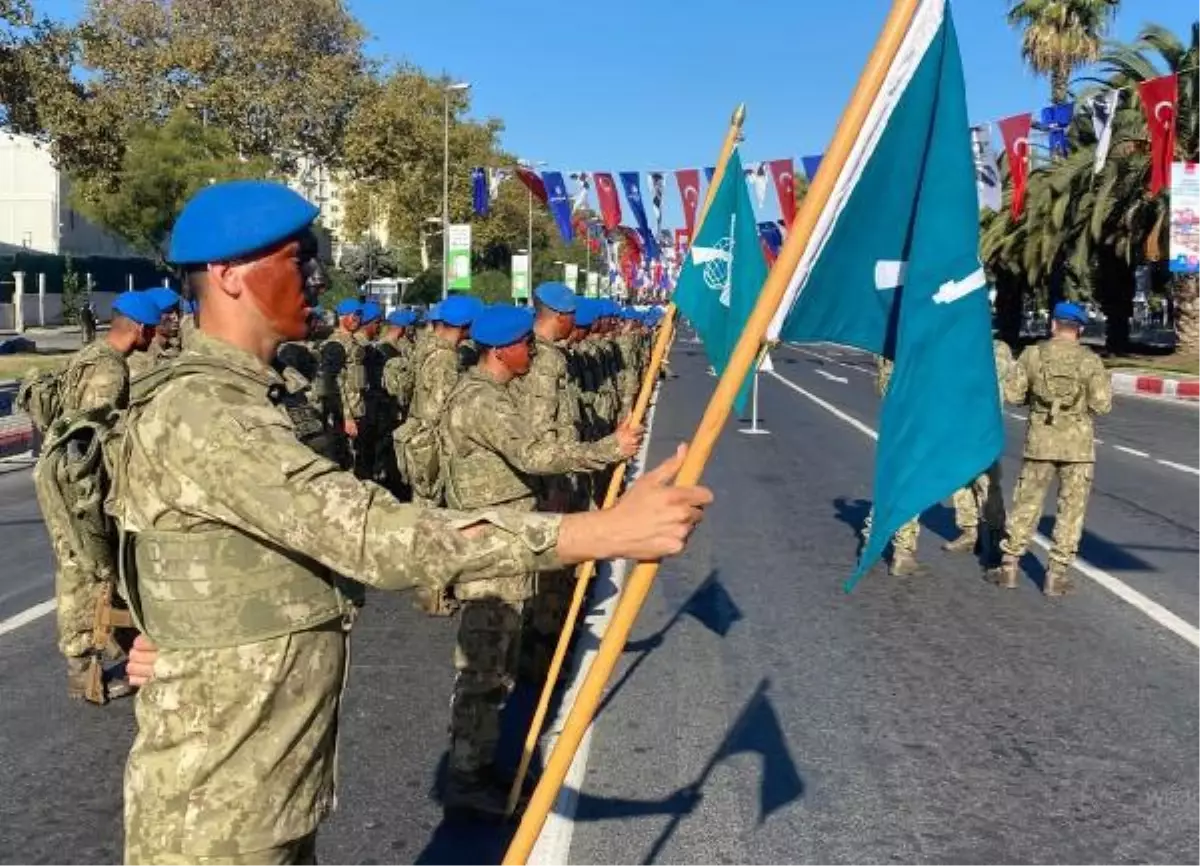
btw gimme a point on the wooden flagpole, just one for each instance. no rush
(587, 701)
(586, 570)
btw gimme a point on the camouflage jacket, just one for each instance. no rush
(344, 374)
(547, 395)
(98, 375)
(1065, 385)
(141, 363)
(398, 378)
(219, 494)
(435, 370)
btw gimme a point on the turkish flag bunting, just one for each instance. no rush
(1015, 131)
(783, 173)
(533, 183)
(1160, 96)
(689, 190)
(610, 204)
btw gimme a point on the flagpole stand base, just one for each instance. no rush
(756, 431)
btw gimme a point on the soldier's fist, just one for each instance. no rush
(629, 437)
(351, 428)
(654, 519)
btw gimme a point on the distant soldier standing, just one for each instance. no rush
(1066, 386)
(375, 399)
(344, 378)
(491, 448)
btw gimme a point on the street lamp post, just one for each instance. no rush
(462, 85)
(529, 233)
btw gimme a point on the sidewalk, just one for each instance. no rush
(1156, 385)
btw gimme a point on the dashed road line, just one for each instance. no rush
(1132, 451)
(1117, 587)
(27, 616)
(1192, 469)
(827, 360)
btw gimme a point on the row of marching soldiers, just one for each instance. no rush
(473, 408)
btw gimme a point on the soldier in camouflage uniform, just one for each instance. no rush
(904, 543)
(1065, 386)
(166, 344)
(984, 496)
(231, 528)
(344, 378)
(493, 451)
(396, 351)
(580, 370)
(375, 400)
(96, 377)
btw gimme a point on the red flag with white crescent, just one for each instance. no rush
(1015, 131)
(532, 182)
(783, 173)
(610, 203)
(1160, 96)
(689, 190)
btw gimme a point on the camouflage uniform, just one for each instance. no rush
(344, 380)
(96, 377)
(232, 529)
(378, 419)
(436, 371)
(1065, 385)
(140, 363)
(489, 450)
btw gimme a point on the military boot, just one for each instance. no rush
(79, 675)
(481, 794)
(1005, 574)
(966, 542)
(904, 564)
(1058, 583)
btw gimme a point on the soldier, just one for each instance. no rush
(491, 447)
(375, 399)
(904, 543)
(984, 495)
(165, 345)
(1065, 385)
(343, 378)
(230, 529)
(96, 377)
(87, 322)
(580, 368)
(394, 350)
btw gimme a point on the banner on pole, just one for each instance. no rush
(520, 277)
(458, 244)
(571, 275)
(1185, 218)
(592, 290)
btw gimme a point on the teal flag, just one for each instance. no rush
(893, 268)
(724, 272)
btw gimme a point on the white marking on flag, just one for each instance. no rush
(889, 274)
(952, 290)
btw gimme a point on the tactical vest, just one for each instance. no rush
(216, 587)
(295, 398)
(1055, 386)
(475, 477)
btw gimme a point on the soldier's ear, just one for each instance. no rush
(226, 278)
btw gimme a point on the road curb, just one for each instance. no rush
(1156, 386)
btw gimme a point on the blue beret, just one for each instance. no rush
(585, 312)
(138, 306)
(348, 307)
(401, 318)
(557, 297)
(371, 312)
(501, 326)
(163, 297)
(1069, 312)
(458, 311)
(233, 219)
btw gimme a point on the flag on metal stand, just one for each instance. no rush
(893, 268)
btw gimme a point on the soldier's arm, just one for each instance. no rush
(508, 432)
(353, 381)
(1099, 388)
(441, 375)
(105, 384)
(1016, 383)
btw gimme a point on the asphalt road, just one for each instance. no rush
(762, 715)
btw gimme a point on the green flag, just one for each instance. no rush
(724, 272)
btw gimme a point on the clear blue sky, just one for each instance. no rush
(596, 88)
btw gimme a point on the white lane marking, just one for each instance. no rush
(1132, 451)
(1017, 415)
(1098, 441)
(1121, 590)
(828, 360)
(829, 376)
(554, 842)
(1179, 466)
(27, 616)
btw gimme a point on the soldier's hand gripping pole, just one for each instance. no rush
(587, 701)
(586, 570)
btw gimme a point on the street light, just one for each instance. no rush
(534, 166)
(460, 86)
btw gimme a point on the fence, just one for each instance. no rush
(23, 306)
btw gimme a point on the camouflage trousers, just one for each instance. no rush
(1074, 487)
(489, 638)
(76, 594)
(905, 539)
(982, 496)
(301, 852)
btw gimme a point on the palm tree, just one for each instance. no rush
(1060, 36)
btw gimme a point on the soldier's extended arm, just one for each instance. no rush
(513, 437)
(106, 383)
(1099, 388)
(1016, 383)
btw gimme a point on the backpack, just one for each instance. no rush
(40, 397)
(1057, 382)
(419, 450)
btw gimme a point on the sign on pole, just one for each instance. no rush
(520, 277)
(1185, 218)
(593, 285)
(571, 276)
(459, 254)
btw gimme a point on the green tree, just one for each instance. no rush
(1059, 36)
(492, 287)
(161, 168)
